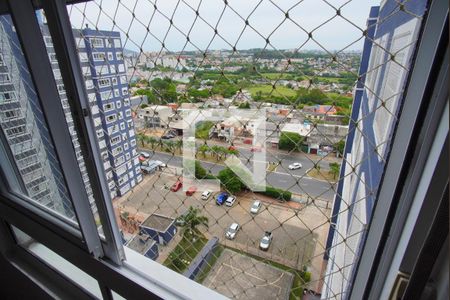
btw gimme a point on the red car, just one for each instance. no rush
(232, 148)
(176, 186)
(191, 191)
(256, 149)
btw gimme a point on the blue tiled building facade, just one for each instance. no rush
(376, 107)
(103, 66)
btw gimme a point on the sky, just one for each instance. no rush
(266, 19)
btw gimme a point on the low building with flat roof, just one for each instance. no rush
(160, 228)
(145, 245)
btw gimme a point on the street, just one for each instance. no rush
(295, 181)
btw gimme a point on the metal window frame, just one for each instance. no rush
(40, 70)
(65, 49)
(368, 277)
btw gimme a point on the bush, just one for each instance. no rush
(279, 194)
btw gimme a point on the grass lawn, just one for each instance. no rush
(186, 250)
(322, 175)
(301, 278)
(266, 90)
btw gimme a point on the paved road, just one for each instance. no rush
(292, 180)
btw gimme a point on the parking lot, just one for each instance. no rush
(293, 243)
(241, 277)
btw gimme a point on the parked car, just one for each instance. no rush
(176, 186)
(232, 231)
(160, 164)
(255, 207)
(191, 190)
(206, 195)
(295, 166)
(168, 136)
(266, 240)
(256, 149)
(145, 154)
(230, 200)
(221, 198)
(232, 148)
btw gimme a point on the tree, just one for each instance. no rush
(340, 147)
(179, 144)
(230, 181)
(216, 150)
(203, 149)
(290, 141)
(244, 105)
(191, 220)
(200, 172)
(334, 169)
(141, 138)
(152, 141)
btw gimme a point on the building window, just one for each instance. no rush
(52, 57)
(1, 60)
(114, 80)
(19, 130)
(97, 42)
(117, 43)
(89, 84)
(117, 94)
(98, 56)
(11, 114)
(119, 55)
(108, 107)
(48, 41)
(124, 91)
(57, 73)
(122, 126)
(106, 95)
(115, 140)
(4, 78)
(104, 82)
(121, 68)
(111, 118)
(128, 113)
(99, 133)
(116, 151)
(110, 56)
(83, 56)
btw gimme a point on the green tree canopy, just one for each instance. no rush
(290, 141)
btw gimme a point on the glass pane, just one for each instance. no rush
(326, 77)
(37, 171)
(54, 260)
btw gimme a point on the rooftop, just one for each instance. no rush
(140, 243)
(158, 222)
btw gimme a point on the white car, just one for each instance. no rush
(295, 166)
(230, 201)
(145, 154)
(255, 207)
(206, 195)
(231, 231)
(265, 241)
(160, 163)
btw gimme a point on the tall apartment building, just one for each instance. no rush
(24, 128)
(107, 86)
(382, 81)
(103, 65)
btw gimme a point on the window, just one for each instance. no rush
(7, 97)
(115, 140)
(61, 89)
(98, 56)
(2, 63)
(110, 56)
(89, 84)
(311, 224)
(117, 43)
(4, 78)
(11, 114)
(106, 95)
(52, 57)
(111, 118)
(83, 57)
(48, 41)
(114, 80)
(108, 107)
(80, 43)
(57, 73)
(104, 82)
(119, 55)
(96, 42)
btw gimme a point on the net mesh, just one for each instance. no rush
(298, 64)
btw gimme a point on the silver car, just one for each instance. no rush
(266, 240)
(231, 231)
(255, 207)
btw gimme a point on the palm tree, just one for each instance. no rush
(141, 138)
(191, 220)
(179, 144)
(216, 150)
(334, 169)
(152, 141)
(203, 149)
